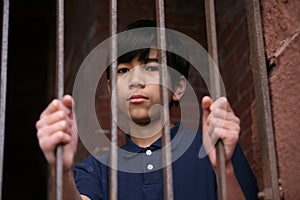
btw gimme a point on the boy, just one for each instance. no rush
(138, 93)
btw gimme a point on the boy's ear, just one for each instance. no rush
(108, 87)
(179, 89)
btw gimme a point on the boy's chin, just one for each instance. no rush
(141, 121)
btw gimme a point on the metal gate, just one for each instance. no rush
(261, 89)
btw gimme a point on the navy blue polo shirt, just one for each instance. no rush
(140, 176)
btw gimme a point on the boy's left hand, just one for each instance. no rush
(219, 121)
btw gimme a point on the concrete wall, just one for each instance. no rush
(281, 23)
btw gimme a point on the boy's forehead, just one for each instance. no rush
(153, 53)
(152, 56)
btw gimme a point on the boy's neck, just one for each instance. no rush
(144, 136)
(146, 142)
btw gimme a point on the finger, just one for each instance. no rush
(52, 107)
(220, 113)
(224, 124)
(228, 137)
(208, 146)
(53, 118)
(55, 105)
(48, 144)
(56, 127)
(68, 101)
(222, 103)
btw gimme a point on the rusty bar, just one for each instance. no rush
(215, 89)
(167, 154)
(265, 125)
(4, 51)
(59, 89)
(114, 108)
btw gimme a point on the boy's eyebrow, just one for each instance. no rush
(147, 60)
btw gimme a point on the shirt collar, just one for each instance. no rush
(132, 148)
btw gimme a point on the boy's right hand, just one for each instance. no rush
(58, 126)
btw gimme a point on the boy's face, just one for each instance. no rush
(139, 89)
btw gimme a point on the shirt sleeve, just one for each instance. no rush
(244, 174)
(87, 176)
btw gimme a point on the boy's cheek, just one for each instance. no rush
(123, 106)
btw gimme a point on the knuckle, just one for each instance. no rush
(40, 142)
(219, 132)
(39, 133)
(38, 124)
(43, 145)
(215, 130)
(238, 120)
(60, 135)
(54, 102)
(63, 125)
(218, 112)
(58, 138)
(235, 136)
(213, 121)
(61, 114)
(223, 99)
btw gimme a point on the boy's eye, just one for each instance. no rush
(123, 70)
(152, 68)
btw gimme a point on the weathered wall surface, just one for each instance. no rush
(281, 23)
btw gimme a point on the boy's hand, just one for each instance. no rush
(219, 121)
(57, 126)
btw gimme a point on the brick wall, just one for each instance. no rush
(235, 68)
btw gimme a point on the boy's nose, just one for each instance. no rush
(136, 84)
(136, 80)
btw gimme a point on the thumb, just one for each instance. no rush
(206, 103)
(207, 144)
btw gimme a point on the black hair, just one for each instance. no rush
(148, 38)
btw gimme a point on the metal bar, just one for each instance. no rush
(4, 51)
(215, 91)
(114, 108)
(265, 125)
(59, 89)
(167, 154)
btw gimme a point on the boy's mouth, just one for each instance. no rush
(137, 98)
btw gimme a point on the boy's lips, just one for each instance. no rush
(137, 98)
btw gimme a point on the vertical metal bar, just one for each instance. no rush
(167, 154)
(114, 108)
(265, 125)
(60, 89)
(4, 50)
(215, 91)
